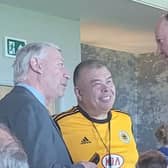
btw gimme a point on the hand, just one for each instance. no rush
(88, 164)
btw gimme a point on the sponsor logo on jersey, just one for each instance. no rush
(124, 137)
(112, 161)
(85, 140)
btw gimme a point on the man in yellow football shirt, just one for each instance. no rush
(92, 126)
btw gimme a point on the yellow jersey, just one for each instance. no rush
(111, 138)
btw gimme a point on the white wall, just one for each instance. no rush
(33, 26)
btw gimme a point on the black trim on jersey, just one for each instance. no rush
(65, 114)
(58, 127)
(63, 140)
(78, 109)
(67, 150)
(54, 116)
(84, 113)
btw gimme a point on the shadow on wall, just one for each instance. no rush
(142, 89)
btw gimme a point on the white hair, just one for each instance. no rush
(23, 56)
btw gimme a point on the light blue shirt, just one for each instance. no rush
(34, 91)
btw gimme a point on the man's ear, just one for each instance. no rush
(36, 65)
(78, 93)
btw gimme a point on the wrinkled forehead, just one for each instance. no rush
(51, 51)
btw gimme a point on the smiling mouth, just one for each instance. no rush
(105, 98)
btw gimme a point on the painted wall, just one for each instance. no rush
(142, 89)
(32, 26)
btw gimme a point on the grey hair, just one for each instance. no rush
(12, 154)
(23, 56)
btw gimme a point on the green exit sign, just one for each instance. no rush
(12, 45)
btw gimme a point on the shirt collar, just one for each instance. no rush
(34, 91)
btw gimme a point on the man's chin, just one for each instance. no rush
(61, 94)
(106, 108)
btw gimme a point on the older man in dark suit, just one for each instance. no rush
(40, 77)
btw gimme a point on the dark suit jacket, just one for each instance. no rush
(29, 120)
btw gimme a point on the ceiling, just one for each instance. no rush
(116, 24)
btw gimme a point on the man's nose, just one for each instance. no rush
(67, 74)
(105, 88)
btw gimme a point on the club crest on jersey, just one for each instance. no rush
(112, 161)
(124, 137)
